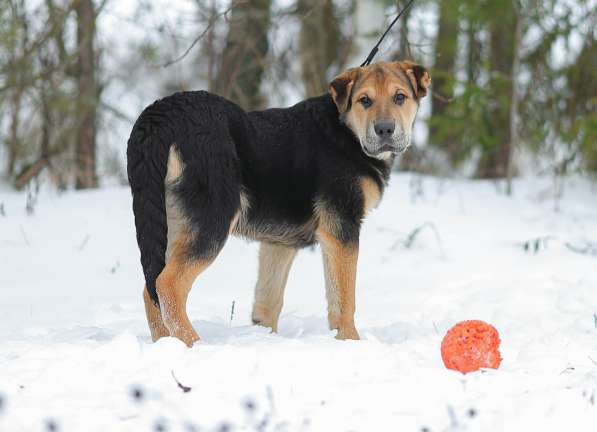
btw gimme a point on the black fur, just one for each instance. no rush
(285, 161)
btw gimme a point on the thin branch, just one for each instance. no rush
(84, 243)
(586, 249)
(184, 388)
(31, 171)
(441, 98)
(24, 236)
(410, 239)
(202, 34)
(232, 313)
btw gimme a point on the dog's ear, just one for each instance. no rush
(418, 76)
(341, 88)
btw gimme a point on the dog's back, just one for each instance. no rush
(259, 170)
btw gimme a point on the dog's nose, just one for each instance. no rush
(384, 128)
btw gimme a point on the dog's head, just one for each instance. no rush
(379, 103)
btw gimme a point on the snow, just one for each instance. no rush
(74, 344)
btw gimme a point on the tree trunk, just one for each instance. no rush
(208, 48)
(369, 18)
(412, 160)
(318, 43)
(495, 157)
(474, 49)
(405, 52)
(243, 61)
(13, 142)
(15, 78)
(444, 74)
(514, 136)
(85, 145)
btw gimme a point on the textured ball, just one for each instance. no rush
(471, 345)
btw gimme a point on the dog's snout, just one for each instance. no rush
(384, 128)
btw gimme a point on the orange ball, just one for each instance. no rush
(470, 346)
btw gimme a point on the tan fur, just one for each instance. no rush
(176, 225)
(325, 219)
(154, 318)
(175, 165)
(274, 265)
(176, 279)
(174, 217)
(347, 78)
(340, 266)
(371, 194)
(423, 84)
(380, 82)
(240, 218)
(173, 286)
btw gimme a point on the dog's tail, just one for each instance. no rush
(147, 162)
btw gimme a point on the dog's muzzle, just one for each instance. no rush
(385, 140)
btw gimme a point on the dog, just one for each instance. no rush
(200, 169)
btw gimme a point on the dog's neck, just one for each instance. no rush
(325, 113)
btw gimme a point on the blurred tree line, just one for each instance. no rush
(515, 76)
(513, 80)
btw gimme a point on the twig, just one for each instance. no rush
(453, 417)
(534, 245)
(83, 243)
(270, 399)
(184, 388)
(24, 236)
(232, 313)
(587, 249)
(410, 239)
(442, 98)
(115, 267)
(413, 235)
(31, 171)
(203, 33)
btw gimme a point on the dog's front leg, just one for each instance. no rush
(274, 266)
(340, 266)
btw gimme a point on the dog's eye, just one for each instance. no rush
(365, 101)
(399, 98)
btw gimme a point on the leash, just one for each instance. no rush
(376, 47)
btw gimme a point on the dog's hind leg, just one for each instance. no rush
(173, 286)
(274, 265)
(202, 202)
(154, 317)
(188, 255)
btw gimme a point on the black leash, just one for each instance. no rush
(376, 47)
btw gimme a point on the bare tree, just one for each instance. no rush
(243, 61)
(495, 157)
(444, 74)
(319, 42)
(16, 73)
(514, 111)
(85, 145)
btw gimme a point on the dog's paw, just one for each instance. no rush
(348, 333)
(189, 337)
(261, 316)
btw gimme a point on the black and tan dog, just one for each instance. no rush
(200, 169)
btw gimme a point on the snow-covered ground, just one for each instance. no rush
(74, 346)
